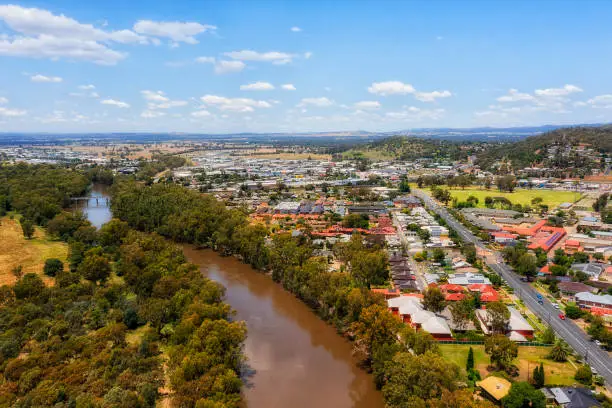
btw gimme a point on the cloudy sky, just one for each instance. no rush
(313, 65)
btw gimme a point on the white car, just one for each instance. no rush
(556, 306)
(598, 343)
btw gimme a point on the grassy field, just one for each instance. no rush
(31, 254)
(519, 196)
(555, 373)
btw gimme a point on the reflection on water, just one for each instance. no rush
(97, 208)
(297, 359)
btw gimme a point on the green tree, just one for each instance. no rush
(27, 227)
(376, 326)
(501, 350)
(559, 351)
(548, 336)
(499, 316)
(370, 268)
(526, 265)
(469, 366)
(53, 266)
(573, 311)
(30, 286)
(584, 375)
(524, 395)
(538, 376)
(433, 299)
(414, 378)
(461, 312)
(94, 267)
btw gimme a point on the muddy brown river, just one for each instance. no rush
(297, 360)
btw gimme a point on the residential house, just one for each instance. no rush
(410, 310)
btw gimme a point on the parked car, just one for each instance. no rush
(598, 343)
(561, 316)
(556, 306)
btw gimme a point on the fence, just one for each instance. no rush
(480, 342)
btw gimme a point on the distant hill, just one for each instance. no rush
(409, 148)
(532, 149)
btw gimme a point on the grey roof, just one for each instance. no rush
(560, 396)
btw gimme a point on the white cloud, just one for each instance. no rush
(175, 30)
(34, 21)
(201, 113)
(308, 54)
(45, 46)
(274, 57)
(6, 112)
(414, 114)
(206, 60)
(515, 96)
(288, 87)
(439, 38)
(234, 104)
(432, 96)
(321, 102)
(154, 96)
(3, 100)
(296, 29)
(257, 86)
(43, 78)
(556, 92)
(158, 100)
(391, 88)
(226, 67)
(600, 101)
(368, 105)
(222, 66)
(87, 87)
(150, 114)
(42, 34)
(114, 102)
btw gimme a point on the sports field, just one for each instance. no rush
(31, 254)
(552, 198)
(528, 358)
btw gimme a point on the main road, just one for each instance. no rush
(566, 329)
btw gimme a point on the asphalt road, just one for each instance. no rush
(566, 329)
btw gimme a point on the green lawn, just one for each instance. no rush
(518, 196)
(555, 373)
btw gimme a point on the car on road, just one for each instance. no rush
(598, 343)
(561, 316)
(539, 296)
(556, 306)
(523, 279)
(541, 301)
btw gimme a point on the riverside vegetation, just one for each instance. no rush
(422, 379)
(126, 318)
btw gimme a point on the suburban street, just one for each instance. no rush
(597, 358)
(421, 282)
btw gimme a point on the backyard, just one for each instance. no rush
(528, 358)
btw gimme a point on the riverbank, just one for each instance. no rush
(296, 358)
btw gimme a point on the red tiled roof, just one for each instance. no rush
(449, 287)
(489, 296)
(453, 297)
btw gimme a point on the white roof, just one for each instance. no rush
(516, 336)
(560, 396)
(436, 325)
(589, 297)
(517, 321)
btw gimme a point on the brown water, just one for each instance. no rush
(297, 359)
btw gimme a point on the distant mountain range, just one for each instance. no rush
(456, 134)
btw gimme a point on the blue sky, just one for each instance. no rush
(270, 66)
